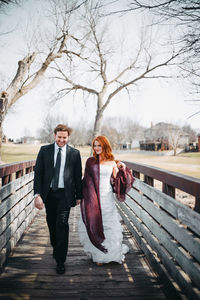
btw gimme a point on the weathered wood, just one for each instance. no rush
(163, 255)
(13, 229)
(185, 238)
(180, 211)
(6, 179)
(168, 282)
(148, 180)
(185, 183)
(11, 187)
(169, 190)
(176, 251)
(16, 205)
(197, 204)
(31, 270)
(8, 169)
(167, 231)
(23, 205)
(12, 200)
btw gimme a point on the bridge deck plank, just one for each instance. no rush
(30, 272)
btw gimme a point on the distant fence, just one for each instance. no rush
(16, 204)
(167, 231)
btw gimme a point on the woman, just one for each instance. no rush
(99, 228)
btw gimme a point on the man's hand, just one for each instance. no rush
(78, 201)
(39, 204)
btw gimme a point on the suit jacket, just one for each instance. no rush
(44, 171)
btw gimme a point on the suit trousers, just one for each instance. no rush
(57, 215)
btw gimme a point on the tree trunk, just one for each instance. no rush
(99, 116)
(23, 82)
(97, 124)
(3, 112)
(175, 151)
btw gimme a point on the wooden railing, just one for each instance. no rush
(16, 204)
(170, 181)
(167, 231)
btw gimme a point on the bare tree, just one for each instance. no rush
(45, 134)
(5, 3)
(103, 77)
(29, 73)
(174, 135)
(184, 13)
(183, 17)
(192, 134)
(81, 136)
(24, 81)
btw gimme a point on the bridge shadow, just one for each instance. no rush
(30, 272)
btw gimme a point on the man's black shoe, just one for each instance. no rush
(60, 268)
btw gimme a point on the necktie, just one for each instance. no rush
(56, 171)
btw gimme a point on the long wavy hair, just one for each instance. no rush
(106, 148)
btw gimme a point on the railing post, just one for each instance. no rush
(6, 179)
(169, 190)
(148, 180)
(197, 204)
(19, 173)
(136, 174)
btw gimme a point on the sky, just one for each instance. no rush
(153, 101)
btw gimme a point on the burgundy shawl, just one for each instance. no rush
(90, 204)
(122, 183)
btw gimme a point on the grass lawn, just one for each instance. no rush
(18, 152)
(185, 163)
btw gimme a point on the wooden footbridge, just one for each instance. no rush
(163, 236)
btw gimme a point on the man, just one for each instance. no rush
(58, 186)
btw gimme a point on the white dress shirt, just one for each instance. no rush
(62, 165)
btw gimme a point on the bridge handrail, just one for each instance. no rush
(17, 168)
(166, 230)
(170, 180)
(16, 204)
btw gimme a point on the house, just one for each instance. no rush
(164, 136)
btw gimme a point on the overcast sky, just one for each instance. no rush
(153, 101)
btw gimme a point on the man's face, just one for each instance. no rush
(61, 138)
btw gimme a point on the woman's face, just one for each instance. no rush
(97, 148)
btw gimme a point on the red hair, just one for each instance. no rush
(106, 148)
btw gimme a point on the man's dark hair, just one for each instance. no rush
(62, 127)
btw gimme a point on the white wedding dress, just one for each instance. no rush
(111, 224)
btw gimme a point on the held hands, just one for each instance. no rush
(78, 201)
(39, 204)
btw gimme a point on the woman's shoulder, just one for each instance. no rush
(91, 160)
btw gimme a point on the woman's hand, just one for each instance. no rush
(121, 165)
(115, 170)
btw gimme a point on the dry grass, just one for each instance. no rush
(186, 163)
(18, 152)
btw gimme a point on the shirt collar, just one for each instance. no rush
(56, 147)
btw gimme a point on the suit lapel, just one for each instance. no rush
(68, 154)
(51, 155)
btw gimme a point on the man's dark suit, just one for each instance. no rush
(58, 203)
